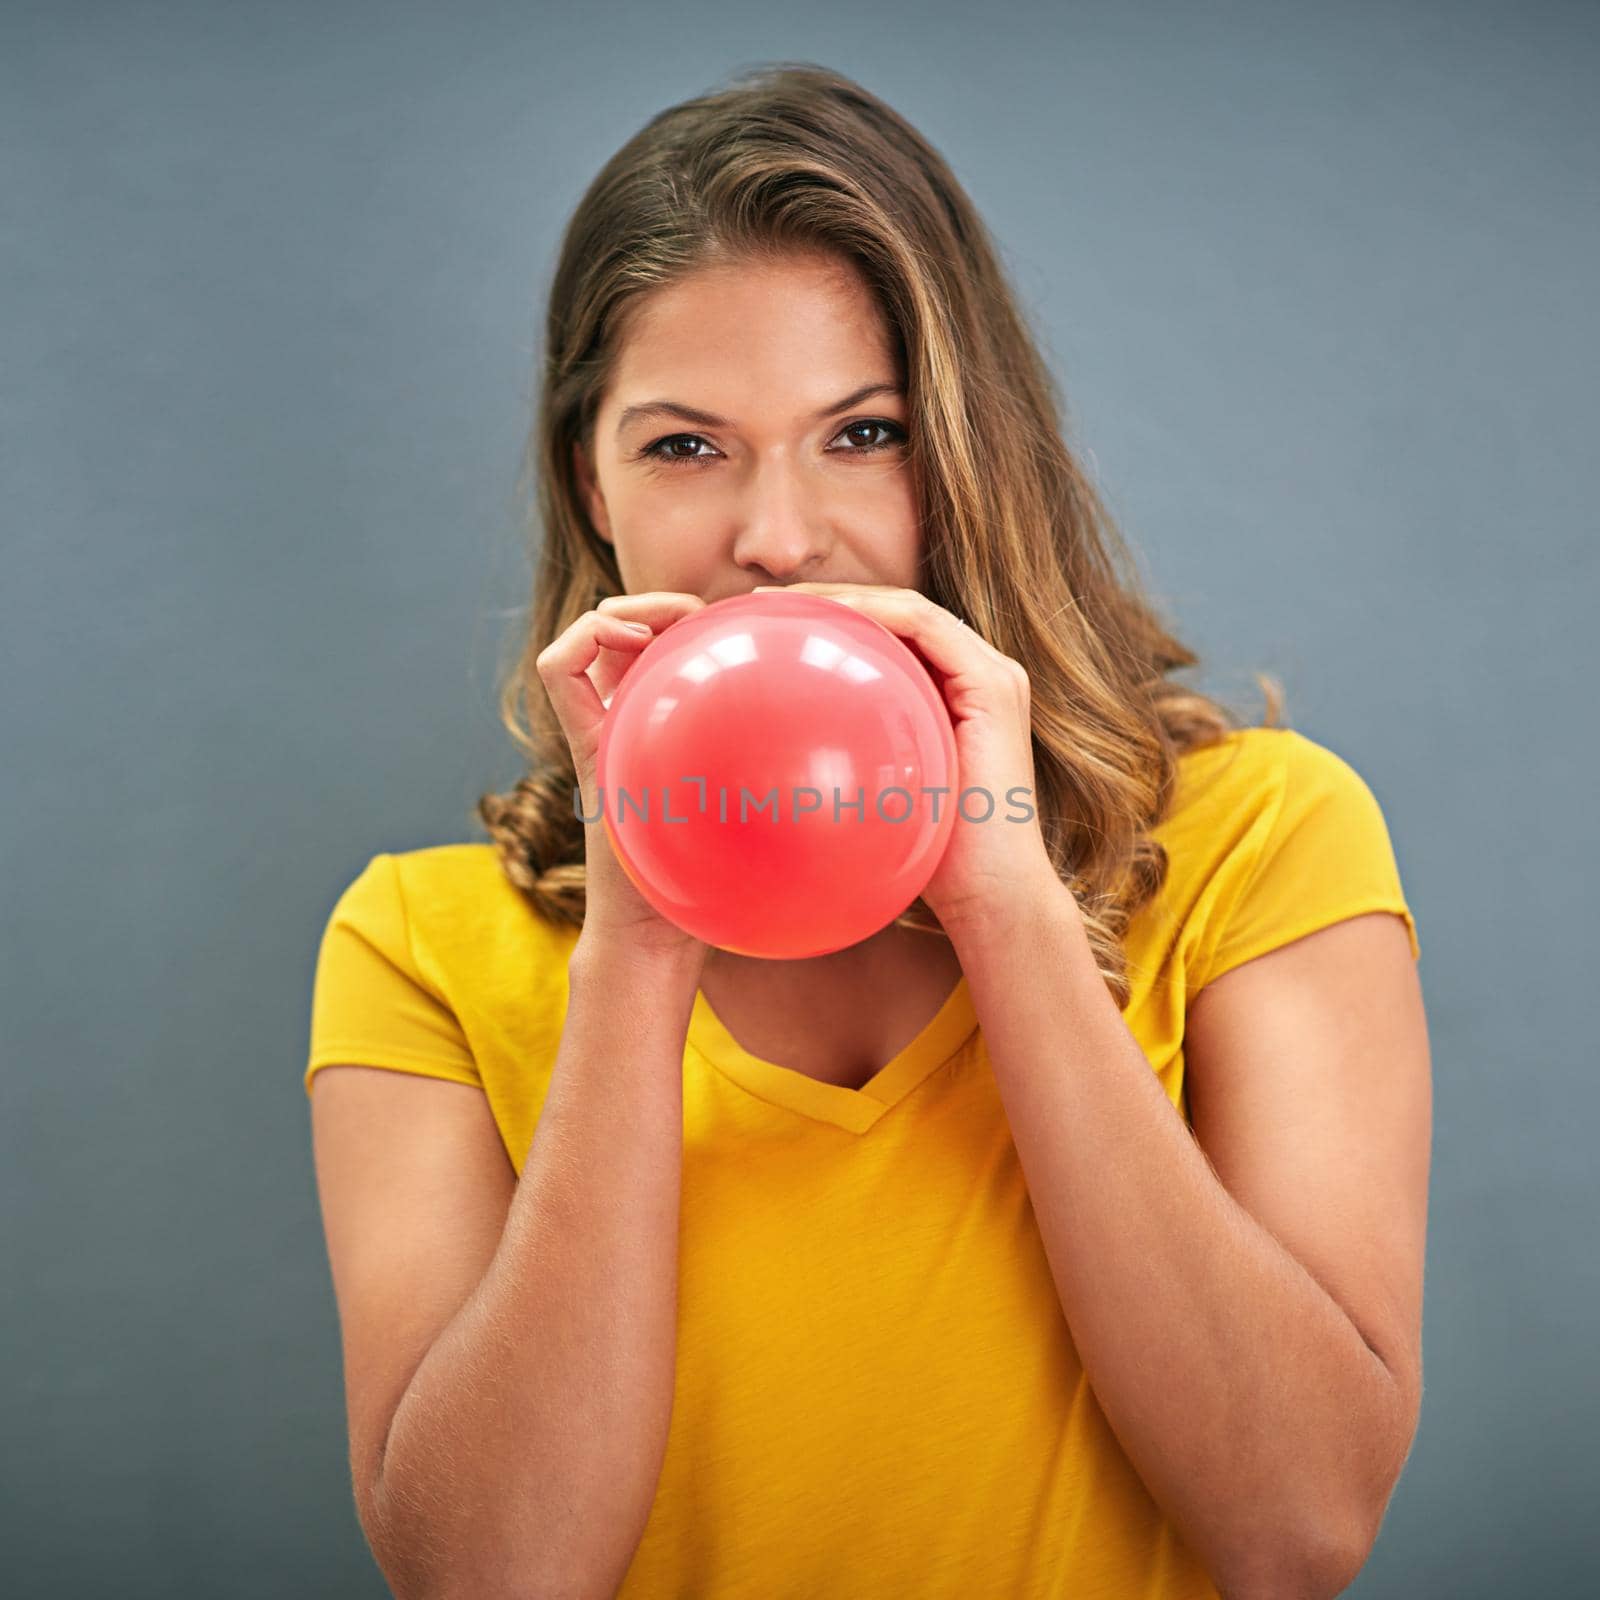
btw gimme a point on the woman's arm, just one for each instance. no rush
(523, 1457)
(1248, 1314)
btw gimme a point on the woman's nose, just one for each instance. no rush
(784, 528)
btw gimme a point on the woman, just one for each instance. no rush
(1066, 1236)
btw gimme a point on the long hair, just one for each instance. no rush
(791, 156)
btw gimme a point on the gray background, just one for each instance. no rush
(1318, 282)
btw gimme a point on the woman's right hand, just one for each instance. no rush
(581, 669)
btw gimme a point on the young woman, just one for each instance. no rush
(1063, 1238)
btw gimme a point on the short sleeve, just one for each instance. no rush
(371, 1005)
(1321, 854)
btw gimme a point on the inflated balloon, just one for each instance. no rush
(777, 774)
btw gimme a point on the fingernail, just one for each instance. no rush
(638, 627)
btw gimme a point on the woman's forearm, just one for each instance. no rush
(523, 1457)
(1247, 1400)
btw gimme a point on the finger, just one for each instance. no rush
(565, 666)
(663, 604)
(657, 609)
(941, 638)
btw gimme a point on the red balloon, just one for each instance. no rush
(769, 771)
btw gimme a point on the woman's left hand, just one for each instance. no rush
(992, 867)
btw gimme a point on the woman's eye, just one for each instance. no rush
(661, 448)
(666, 449)
(895, 431)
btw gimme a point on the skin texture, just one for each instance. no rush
(778, 497)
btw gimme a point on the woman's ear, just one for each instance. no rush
(593, 501)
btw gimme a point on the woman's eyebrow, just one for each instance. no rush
(704, 419)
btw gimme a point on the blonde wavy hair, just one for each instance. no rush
(792, 156)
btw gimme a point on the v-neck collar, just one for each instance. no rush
(854, 1110)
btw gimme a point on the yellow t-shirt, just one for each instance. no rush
(876, 1390)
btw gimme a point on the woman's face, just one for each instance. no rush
(734, 445)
